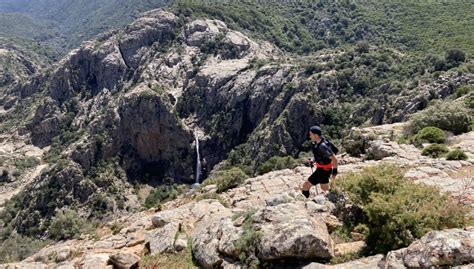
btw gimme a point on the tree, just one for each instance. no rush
(362, 47)
(455, 55)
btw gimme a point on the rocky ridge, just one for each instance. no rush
(130, 101)
(139, 94)
(268, 205)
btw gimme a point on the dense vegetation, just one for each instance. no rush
(302, 27)
(226, 179)
(163, 194)
(278, 163)
(396, 211)
(456, 154)
(430, 135)
(452, 116)
(435, 150)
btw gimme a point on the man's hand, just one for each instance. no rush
(310, 162)
(334, 173)
(334, 166)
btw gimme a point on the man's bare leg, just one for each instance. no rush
(324, 188)
(305, 188)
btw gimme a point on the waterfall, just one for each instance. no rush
(198, 159)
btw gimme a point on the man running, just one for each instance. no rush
(325, 160)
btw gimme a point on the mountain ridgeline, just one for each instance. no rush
(246, 79)
(59, 26)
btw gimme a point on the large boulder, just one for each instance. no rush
(124, 260)
(436, 249)
(289, 231)
(284, 230)
(213, 240)
(163, 239)
(200, 31)
(96, 261)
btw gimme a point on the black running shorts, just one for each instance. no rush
(320, 176)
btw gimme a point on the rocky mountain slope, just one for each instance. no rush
(63, 25)
(293, 230)
(87, 136)
(125, 107)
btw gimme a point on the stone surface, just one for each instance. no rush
(371, 262)
(436, 248)
(206, 243)
(95, 261)
(349, 248)
(163, 239)
(287, 236)
(181, 242)
(190, 213)
(32, 265)
(268, 188)
(124, 260)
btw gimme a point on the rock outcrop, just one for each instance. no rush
(453, 247)
(280, 236)
(288, 230)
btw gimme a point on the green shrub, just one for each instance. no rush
(227, 179)
(354, 144)
(430, 135)
(470, 101)
(100, 204)
(66, 225)
(410, 212)
(362, 47)
(246, 246)
(455, 55)
(277, 163)
(26, 163)
(313, 68)
(116, 227)
(398, 211)
(341, 234)
(462, 90)
(212, 195)
(456, 154)
(5, 176)
(17, 247)
(435, 150)
(11, 208)
(162, 194)
(182, 260)
(378, 179)
(449, 116)
(347, 257)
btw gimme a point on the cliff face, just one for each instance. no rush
(132, 99)
(17, 64)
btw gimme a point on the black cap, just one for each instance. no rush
(315, 130)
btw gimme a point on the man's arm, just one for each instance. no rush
(334, 166)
